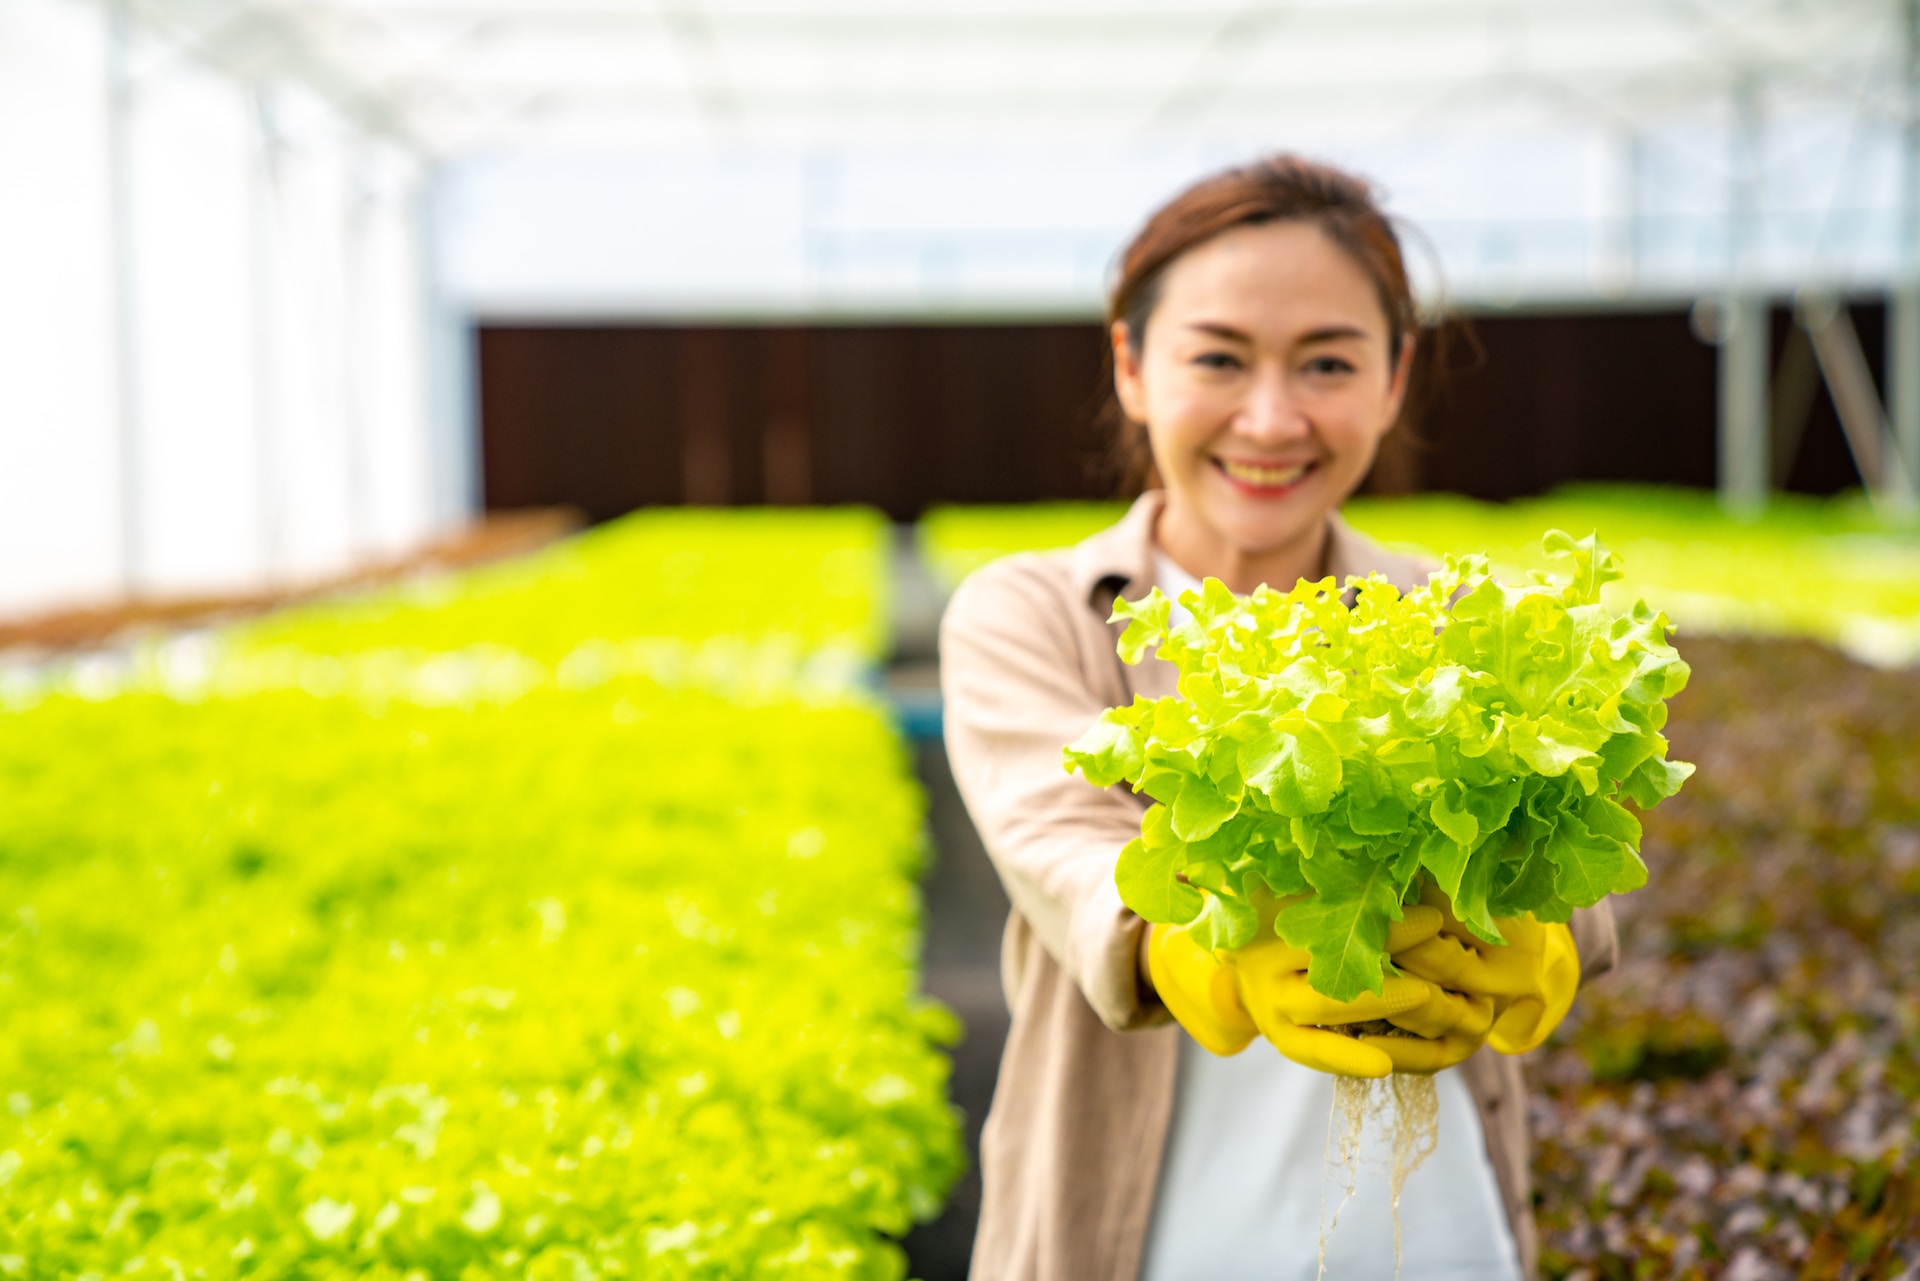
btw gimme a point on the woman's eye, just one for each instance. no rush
(1217, 360)
(1329, 365)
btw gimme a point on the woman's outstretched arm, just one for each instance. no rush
(1016, 691)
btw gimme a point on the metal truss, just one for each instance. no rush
(446, 75)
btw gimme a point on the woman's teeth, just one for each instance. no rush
(1265, 477)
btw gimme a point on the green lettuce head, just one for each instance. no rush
(1347, 743)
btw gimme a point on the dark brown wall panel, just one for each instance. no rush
(870, 431)
(1548, 400)
(609, 418)
(1552, 399)
(578, 416)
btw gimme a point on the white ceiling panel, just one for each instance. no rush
(970, 156)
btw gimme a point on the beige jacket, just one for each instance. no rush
(1072, 1147)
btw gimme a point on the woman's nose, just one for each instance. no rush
(1271, 413)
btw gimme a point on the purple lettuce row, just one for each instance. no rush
(1741, 1097)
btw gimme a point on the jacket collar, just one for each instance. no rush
(1118, 561)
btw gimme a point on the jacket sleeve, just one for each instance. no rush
(1015, 693)
(1596, 939)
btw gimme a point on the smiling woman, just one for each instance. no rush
(1263, 338)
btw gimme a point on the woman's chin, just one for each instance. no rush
(1261, 547)
(1260, 534)
(1253, 530)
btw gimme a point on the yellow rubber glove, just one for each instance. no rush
(1275, 992)
(1200, 989)
(1225, 1000)
(1530, 982)
(1447, 1030)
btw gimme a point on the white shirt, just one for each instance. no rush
(1242, 1181)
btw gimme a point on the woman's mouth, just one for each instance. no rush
(1263, 480)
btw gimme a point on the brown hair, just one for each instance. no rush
(1278, 188)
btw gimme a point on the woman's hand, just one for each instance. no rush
(1199, 988)
(1273, 988)
(1529, 983)
(1225, 1000)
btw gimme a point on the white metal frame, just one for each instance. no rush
(452, 78)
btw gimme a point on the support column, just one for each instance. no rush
(453, 380)
(1618, 266)
(1745, 448)
(1903, 379)
(355, 321)
(130, 461)
(269, 484)
(1742, 323)
(1903, 307)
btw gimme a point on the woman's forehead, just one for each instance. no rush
(1288, 275)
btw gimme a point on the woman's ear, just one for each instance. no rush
(1126, 373)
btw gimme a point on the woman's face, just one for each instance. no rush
(1265, 383)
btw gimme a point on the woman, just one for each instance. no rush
(1263, 333)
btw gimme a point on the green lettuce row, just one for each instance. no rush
(745, 671)
(956, 540)
(615, 981)
(1478, 734)
(1829, 569)
(818, 578)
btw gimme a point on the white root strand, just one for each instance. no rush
(1414, 1129)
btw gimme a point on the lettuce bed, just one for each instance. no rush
(955, 541)
(614, 982)
(1828, 570)
(1825, 569)
(814, 579)
(1742, 1096)
(591, 976)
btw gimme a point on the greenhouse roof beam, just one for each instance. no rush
(257, 43)
(1558, 96)
(1024, 17)
(727, 70)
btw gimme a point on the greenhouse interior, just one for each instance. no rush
(668, 408)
